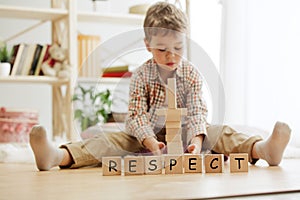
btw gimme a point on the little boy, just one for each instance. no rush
(165, 27)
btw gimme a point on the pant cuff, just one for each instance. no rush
(80, 155)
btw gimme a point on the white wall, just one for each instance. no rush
(205, 19)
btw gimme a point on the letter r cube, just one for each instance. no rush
(111, 166)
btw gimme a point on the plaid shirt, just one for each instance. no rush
(147, 94)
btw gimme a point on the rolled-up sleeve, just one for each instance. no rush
(197, 109)
(138, 122)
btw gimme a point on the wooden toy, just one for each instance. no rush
(172, 103)
(173, 120)
(111, 166)
(134, 165)
(192, 163)
(174, 137)
(153, 165)
(238, 162)
(214, 163)
(173, 164)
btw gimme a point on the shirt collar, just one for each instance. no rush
(154, 69)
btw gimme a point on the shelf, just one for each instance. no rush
(110, 18)
(32, 13)
(34, 80)
(102, 80)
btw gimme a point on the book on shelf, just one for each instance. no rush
(19, 68)
(124, 68)
(117, 71)
(35, 59)
(27, 59)
(17, 52)
(117, 74)
(42, 58)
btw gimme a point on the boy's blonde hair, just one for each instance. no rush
(163, 17)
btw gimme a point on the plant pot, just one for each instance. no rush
(102, 6)
(5, 69)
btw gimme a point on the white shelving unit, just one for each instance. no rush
(64, 18)
(111, 18)
(34, 80)
(16, 12)
(59, 14)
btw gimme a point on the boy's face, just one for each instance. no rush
(167, 50)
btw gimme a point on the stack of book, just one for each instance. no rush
(117, 71)
(27, 59)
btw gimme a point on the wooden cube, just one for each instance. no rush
(172, 93)
(173, 138)
(173, 115)
(133, 165)
(173, 164)
(111, 166)
(175, 148)
(173, 131)
(192, 163)
(214, 163)
(238, 162)
(153, 165)
(175, 125)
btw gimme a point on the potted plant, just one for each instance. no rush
(92, 107)
(4, 60)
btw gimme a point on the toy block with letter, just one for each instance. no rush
(192, 163)
(173, 164)
(214, 163)
(134, 165)
(153, 165)
(111, 166)
(238, 162)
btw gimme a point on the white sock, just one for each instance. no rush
(46, 155)
(272, 149)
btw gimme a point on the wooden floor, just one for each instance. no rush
(23, 181)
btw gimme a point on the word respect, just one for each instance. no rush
(173, 164)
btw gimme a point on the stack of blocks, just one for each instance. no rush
(173, 120)
(174, 162)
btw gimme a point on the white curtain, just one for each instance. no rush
(260, 64)
(205, 19)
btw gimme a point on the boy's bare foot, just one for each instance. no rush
(46, 155)
(272, 149)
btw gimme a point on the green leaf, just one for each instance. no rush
(76, 98)
(78, 114)
(4, 55)
(84, 123)
(83, 91)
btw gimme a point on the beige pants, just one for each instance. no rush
(219, 139)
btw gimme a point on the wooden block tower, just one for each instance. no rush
(173, 120)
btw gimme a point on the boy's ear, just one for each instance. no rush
(147, 44)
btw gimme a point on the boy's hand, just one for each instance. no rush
(196, 145)
(153, 145)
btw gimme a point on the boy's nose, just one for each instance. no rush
(171, 54)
